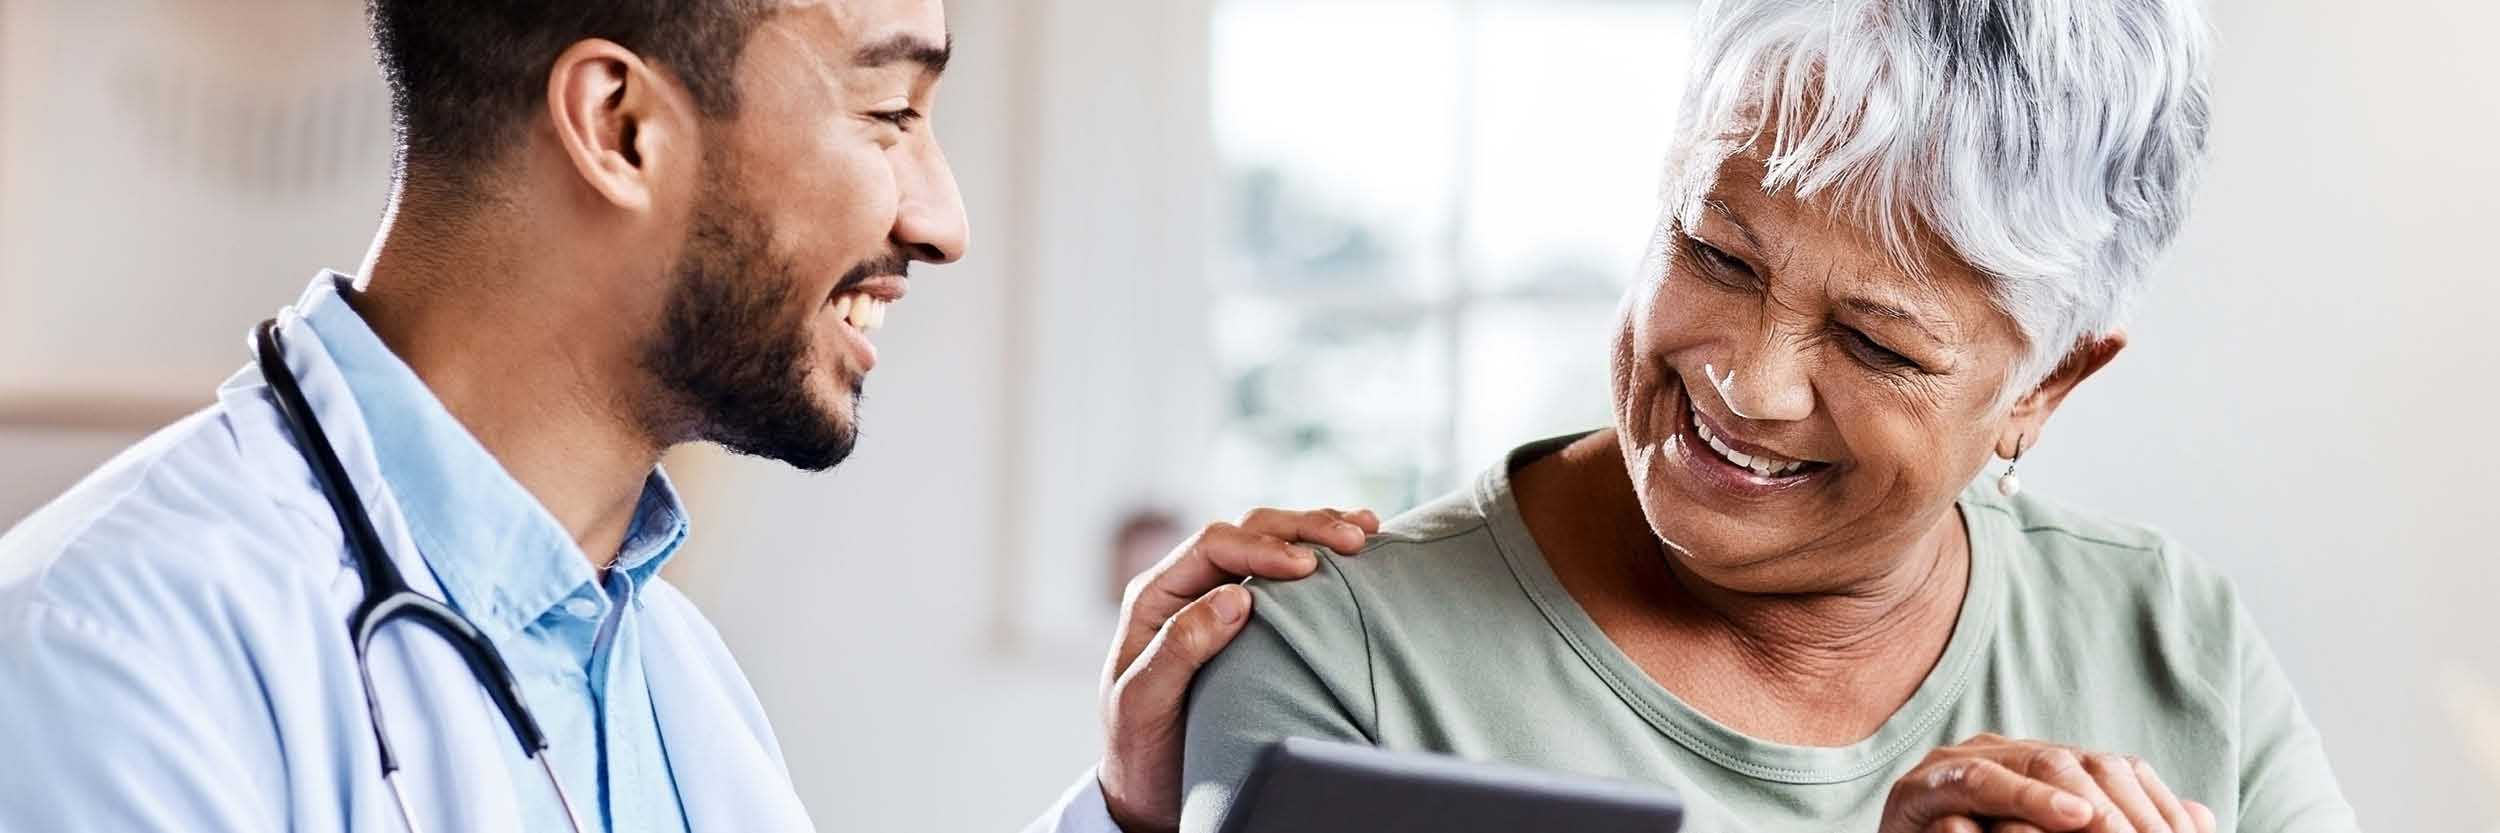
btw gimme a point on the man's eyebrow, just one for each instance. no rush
(1871, 308)
(905, 46)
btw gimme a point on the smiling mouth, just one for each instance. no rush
(862, 311)
(1762, 466)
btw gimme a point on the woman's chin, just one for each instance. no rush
(1706, 548)
(1741, 552)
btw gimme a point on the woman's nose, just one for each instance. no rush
(1767, 382)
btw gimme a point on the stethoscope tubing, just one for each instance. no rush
(387, 596)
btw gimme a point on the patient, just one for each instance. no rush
(1896, 235)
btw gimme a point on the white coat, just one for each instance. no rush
(174, 656)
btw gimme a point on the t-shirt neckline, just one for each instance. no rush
(1909, 729)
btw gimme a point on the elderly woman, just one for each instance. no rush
(1787, 581)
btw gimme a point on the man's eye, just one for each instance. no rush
(901, 119)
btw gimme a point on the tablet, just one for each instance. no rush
(1300, 785)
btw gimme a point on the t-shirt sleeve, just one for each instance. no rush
(1300, 668)
(2286, 785)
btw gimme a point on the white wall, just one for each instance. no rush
(2310, 395)
(167, 179)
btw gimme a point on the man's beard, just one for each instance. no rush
(732, 352)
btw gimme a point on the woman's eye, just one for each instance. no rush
(1873, 354)
(1723, 267)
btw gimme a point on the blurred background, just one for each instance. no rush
(1302, 252)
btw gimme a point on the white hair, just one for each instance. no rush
(2052, 144)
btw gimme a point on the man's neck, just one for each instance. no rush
(545, 387)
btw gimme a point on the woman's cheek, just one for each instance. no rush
(1682, 316)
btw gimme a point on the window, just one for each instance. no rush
(1431, 208)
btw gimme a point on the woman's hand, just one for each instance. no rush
(1995, 784)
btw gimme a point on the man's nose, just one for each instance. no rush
(929, 222)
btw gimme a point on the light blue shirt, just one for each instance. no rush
(510, 567)
(174, 652)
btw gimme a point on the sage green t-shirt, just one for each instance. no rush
(1450, 633)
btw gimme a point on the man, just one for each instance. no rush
(616, 227)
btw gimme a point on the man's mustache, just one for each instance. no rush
(894, 265)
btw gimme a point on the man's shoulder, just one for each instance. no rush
(180, 519)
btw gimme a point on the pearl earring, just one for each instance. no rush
(2010, 485)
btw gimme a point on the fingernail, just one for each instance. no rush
(2069, 805)
(1349, 529)
(1230, 603)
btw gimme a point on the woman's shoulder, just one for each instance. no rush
(1441, 559)
(2070, 570)
(2044, 538)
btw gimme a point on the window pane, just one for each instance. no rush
(1341, 405)
(1433, 208)
(1573, 105)
(1529, 370)
(1334, 124)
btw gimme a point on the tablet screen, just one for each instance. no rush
(1301, 785)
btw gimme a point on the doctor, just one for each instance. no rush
(617, 227)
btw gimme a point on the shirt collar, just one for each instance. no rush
(502, 559)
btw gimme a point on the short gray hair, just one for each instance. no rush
(2052, 144)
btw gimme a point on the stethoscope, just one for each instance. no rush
(387, 595)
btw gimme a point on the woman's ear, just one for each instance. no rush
(623, 123)
(2031, 412)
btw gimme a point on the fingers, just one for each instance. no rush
(2064, 769)
(1261, 545)
(1366, 519)
(2115, 793)
(1147, 699)
(1194, 569)
(1954, 824)
(2173, 811)
(1142, 709)
(1969, 786)
(1178, 615)
(2117, 777)
(1223, 553)
(1329, 528)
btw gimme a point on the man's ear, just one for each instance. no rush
(2031, 412)
(625, 125)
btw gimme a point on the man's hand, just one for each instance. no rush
(2003, 785)
(1175, 617)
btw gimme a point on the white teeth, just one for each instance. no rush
(863, 312)
(1761, 466)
